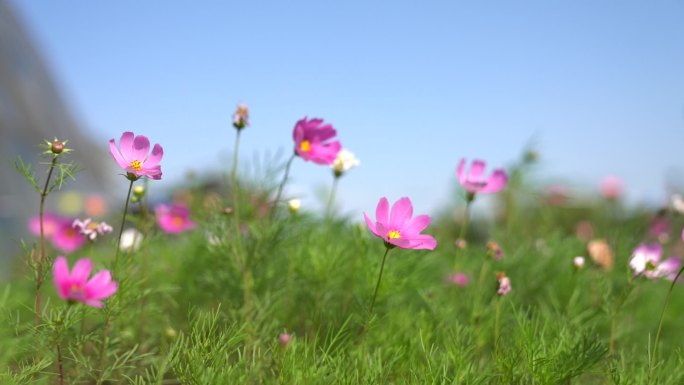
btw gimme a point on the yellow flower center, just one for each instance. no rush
(305, 146)
(76, 291)
(92, 226)
(135, 165)
(394, 234)
(177, 221)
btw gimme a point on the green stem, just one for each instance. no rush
(121, 229)
(41, 261)
(651, 363)
(331, 199)
(236, 204)
(466, 220)
(377, 285)
(282, 184)
(497, 325)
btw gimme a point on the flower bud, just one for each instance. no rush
(294, 205)
(170, 333)
(139, 191)
(241, 117)
(578, 262)
(57, 146)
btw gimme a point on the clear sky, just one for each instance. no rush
(411, 86)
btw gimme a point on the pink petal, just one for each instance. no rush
(117, 155)
(81, 271)
(126, 146)
(496, 182)
(382, 212)
(402, 210)
(370, 224)
(460, 171)
(423, 242)
(476, 170)
(382, 231)
(94, 303)
(151, 172)
(141, 146)
(100, 279)
(400, 242)
(416, 225)
(326, 132)
(324, 154)
(298, 132)
(60, 273)
(155, 157)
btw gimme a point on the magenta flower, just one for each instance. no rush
(474, 181)
(75, 286)
(312, 141)
(66, 238)
(132, 155)
(174, 219)
(397, 228)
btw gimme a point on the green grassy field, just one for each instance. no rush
(211, 305)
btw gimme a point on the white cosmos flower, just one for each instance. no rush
(344, 162)
(130, 240)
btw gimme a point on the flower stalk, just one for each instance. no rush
(43, 252)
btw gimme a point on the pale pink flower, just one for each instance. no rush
(578, 262)
(611, 187)
(312, 141)
(51, 223)
(241, 116)
(174, 219)
(91, 229)
(646, 261)
(75, 286)
(134, 157)
(458, 279)
(474, 180)
(397, 228)
(66, 238)
(494, 251)
(504, 284)
(285, 339)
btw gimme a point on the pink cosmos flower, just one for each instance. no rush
(474, 181)
(458, 279)
(66, 238)
(397, 228)
(312, 141)
(91, 229)
(75, 286)
(285, 338)
(174, 219)
(504, 284)
(51, 223)
(132, 155)
(646, 261)
(611, 187)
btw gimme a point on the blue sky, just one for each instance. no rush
(412, 87)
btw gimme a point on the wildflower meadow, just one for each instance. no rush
(239, 282)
